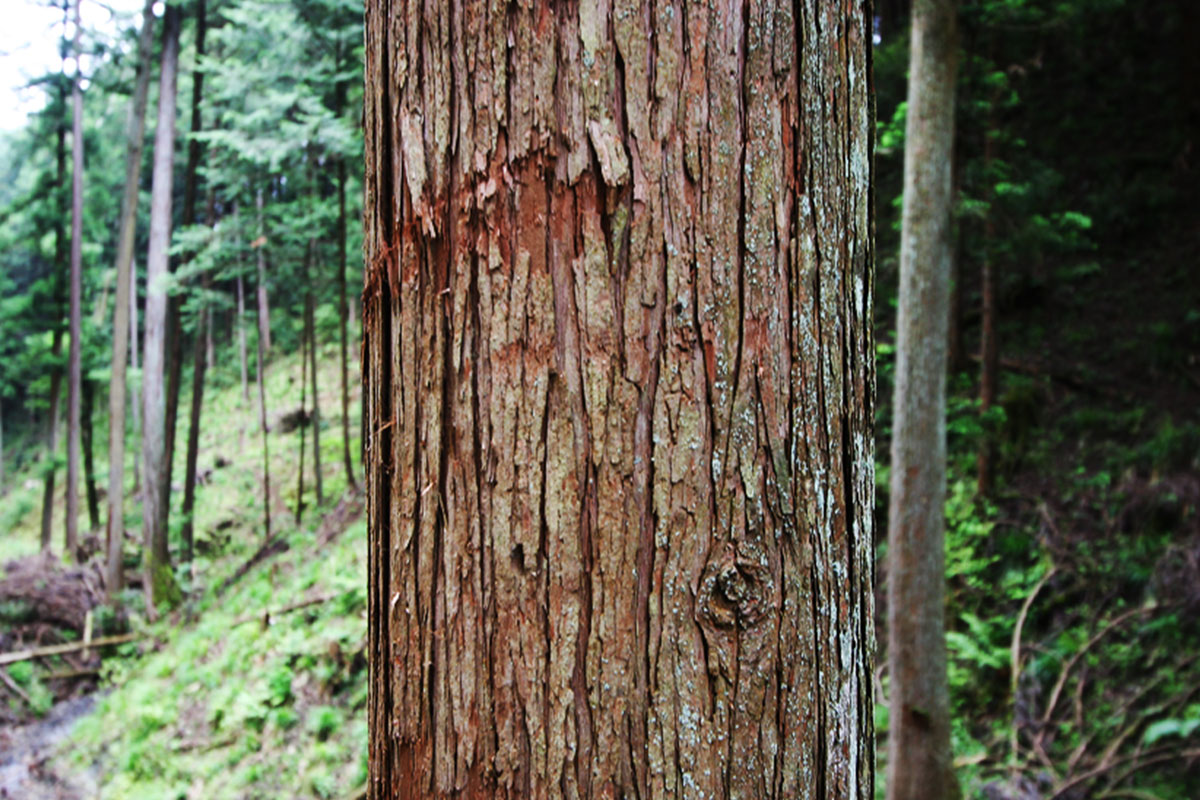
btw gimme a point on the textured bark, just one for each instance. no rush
(125, 306)
(919, 758)
(159, 581)
(74, 352)
(618, 381)
(56, 372)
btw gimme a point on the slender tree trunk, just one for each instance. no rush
(199, 366)
(339, 107)
(303, 400)
(618, 379)
(210, 357)
(919, 757)
(241, 334)
(135, 404)
(310, 325)
(264, 313)
(56, 372)
(74, 356)
(160, 583)
(990, 355)
(262, 415)
(125, 307)
(89, 462)
(342, 320)
(174, 326)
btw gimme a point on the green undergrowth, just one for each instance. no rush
(234, 706)
(253, 685)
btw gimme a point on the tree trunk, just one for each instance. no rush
(56, 372)
(87, 432)
(303, 398)
(990, 368)
(199, 366)
(919, 757)
(264, 313)
(160, 583)
(311, 327)
(342, 312)
(262, 408)
(74, 353)
(618, 377)
(174, 322)
(241, 333)
(124, 307)
(135, 404)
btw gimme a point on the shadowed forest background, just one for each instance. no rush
(217, 647)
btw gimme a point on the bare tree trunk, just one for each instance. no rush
(342, 314)
(262, 414)
(303, 399)
(264, 313)
(989, 371)
(56, 372)
(74, 353)
(339, 107)
(310, 325)
(241, 333)
(135, 404)
(199, 366)
(618, 379)
(160, 582)
(174, 322)
(125, 307)
(89, 462)
(919, 757)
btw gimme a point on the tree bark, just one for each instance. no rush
(74, 353)
(125, 307)
(160, 583)
(56, 371)
(919, 757)
(618, 378)
(300, 429)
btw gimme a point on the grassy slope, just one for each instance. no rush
(215, 703)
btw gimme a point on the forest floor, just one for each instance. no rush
(255, 686)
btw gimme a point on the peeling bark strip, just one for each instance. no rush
(619, 386)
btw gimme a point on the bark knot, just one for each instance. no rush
(735, 591)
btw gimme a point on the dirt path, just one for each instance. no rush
(30, 768)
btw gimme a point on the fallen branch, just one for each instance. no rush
(276, 545)
(266, 616)
(17, 690)
(70, 647)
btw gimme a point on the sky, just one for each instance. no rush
(29, 35)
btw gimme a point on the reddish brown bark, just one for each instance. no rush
(618, 389)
